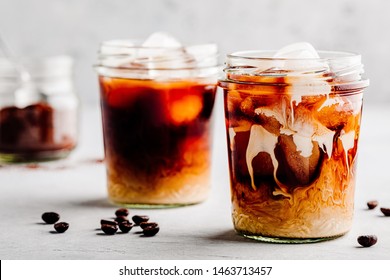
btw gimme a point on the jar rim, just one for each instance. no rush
(137, 44)
(342, 71)
(267, 55)
(38, 67)
(127, 58)
(61, 58)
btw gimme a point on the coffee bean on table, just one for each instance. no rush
(121, 219)
(122, 212)
(125, 226)
(367, 240)
(109, 229)
(108, 222)
(385, 211)
(372, 204)
(61, 227)
(148, 224)
(151, 231)
(50, 217)
(140, 218)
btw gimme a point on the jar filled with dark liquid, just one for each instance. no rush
(40, 123)
(157, 105)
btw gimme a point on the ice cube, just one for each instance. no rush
(202, 50)
(203, 55)
(161, 39)
(247, 107)
(297, 50)
(186, 108)
(159, 48)
(294, 169)
(271, 119)
(335, 113)
(301, 56)
(162, 51)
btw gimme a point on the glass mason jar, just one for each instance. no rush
(292, 130)
(157, 105)
(38, 119)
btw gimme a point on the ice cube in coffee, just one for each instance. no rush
(157, 103)
(292, 123)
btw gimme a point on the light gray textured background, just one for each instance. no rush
(76, 27)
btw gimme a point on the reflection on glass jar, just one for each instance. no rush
(43, 126)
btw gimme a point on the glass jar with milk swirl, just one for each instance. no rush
(292, 122)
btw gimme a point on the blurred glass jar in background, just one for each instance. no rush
(43, 126)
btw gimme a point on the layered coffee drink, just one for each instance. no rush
(157, 105)
(293, 122)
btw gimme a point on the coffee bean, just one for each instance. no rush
(50, 217)
(121, 219)
(61, 227)
(367, 240)
(372, 204)
(125, 226)
(139, 219)
(386, 211)
(151, 231)
(108, 222)
(122, 212)
(148, 224)
(109, 229)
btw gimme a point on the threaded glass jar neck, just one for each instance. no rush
(341, 70)
(53, 75)
(129, 59)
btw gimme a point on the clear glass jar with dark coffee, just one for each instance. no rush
(157, 103)
(38, 117)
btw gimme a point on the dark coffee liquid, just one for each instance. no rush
(31, 132)
(151, 129)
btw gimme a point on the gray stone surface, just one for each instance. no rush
(203, 231)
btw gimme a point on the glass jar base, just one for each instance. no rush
(151, 206)
(36, 157)
(286, 240)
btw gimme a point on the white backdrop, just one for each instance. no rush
(75, 27)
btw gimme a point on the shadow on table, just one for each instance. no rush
(230, 236)
(101, 202)
(54, 165)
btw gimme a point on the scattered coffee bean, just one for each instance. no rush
(125, 226)
(122, 212)
(372, 204)
(386, 211)
(109, 229)
(367, 240)
(144, 225)
(151, 231)
(121, 219)
(50, 217)
(61, 227)
(139, 219)
(108, 222)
